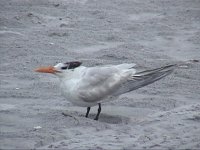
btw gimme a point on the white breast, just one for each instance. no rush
(68, 87)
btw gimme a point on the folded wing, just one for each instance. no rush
(99, 82)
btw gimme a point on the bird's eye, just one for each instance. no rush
(65, 67)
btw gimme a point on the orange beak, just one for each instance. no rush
(49, 69)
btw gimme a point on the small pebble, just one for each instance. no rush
(37, 127)
(56, 5)
(184, 66)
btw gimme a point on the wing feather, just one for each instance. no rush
(98, 83)
(144, 78)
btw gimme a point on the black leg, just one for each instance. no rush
(87, 113)
(98, 113)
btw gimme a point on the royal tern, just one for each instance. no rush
(90, 86)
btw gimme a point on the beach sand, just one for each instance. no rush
(150, 33)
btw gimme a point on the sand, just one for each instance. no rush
(150, 33)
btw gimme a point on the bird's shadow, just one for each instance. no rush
(111, 119)
(106, 118)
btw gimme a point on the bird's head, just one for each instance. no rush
(59, 68)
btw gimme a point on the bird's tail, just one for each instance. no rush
(143, 78)
(146, 77)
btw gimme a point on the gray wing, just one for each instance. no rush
(100, 82)
(144, 78)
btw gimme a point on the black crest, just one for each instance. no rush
(72, 65)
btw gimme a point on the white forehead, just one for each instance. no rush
(59, 65)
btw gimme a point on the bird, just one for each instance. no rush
(90, 86)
